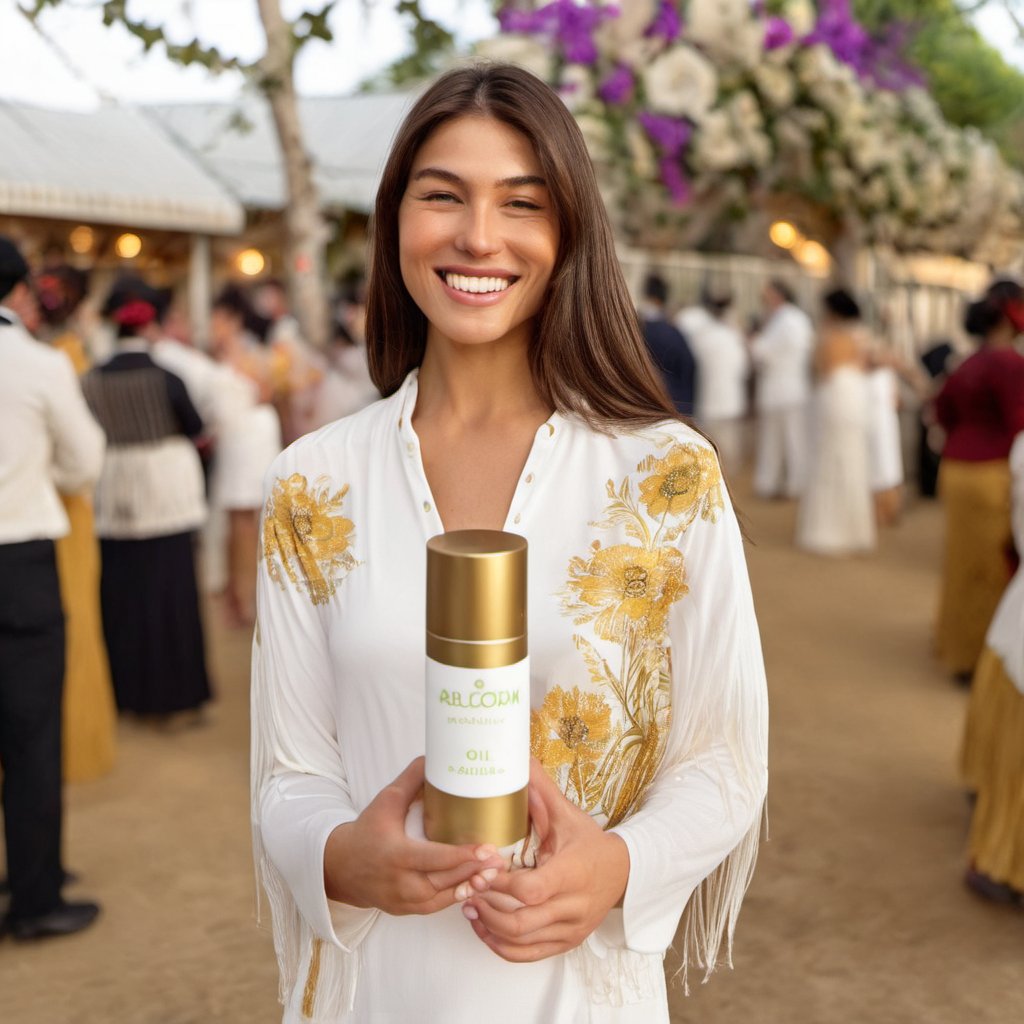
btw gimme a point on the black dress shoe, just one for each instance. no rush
(65, 919)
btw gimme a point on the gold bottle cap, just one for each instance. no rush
(476, 595)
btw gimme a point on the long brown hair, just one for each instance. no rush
(588, 356)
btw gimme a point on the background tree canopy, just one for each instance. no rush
(967, 77)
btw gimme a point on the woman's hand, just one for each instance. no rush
(581, 874)
(371, 862)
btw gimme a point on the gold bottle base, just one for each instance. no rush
(499, 820)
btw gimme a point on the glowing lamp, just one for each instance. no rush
(783, 234)
(813, 257)
(81, 240)
(250, 262)
(128, 246)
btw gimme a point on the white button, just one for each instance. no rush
(517, 518)
(529, 478)
(426, 506)
(410, 447)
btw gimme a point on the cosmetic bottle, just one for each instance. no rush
(477, 689)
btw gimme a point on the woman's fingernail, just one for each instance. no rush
(489, 874)
(469, 912)
(486, 852)
(463, 891)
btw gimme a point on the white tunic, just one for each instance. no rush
(722, 366)
(1006, 634)
(886, 443)
(49, 440)
(637, 589)
(836, 515)
(782, 354)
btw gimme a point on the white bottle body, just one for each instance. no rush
(478, 729)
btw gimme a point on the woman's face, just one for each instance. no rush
(478, 235)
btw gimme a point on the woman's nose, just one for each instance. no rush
(479, 235)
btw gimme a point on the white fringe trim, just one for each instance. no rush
(710, 916)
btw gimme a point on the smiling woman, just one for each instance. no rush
(518, 398)
(476, 194)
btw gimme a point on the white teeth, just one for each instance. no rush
(476, 285)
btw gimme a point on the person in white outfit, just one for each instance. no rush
(886, 439)
(723, 364)
(249, 439)
(781, 353)
(516, 384)
(836, 515)
(347, 386)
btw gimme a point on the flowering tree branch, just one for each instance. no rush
(726, 104)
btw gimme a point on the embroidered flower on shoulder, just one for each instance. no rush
(306, 540)
(626, 590)
(685, 483)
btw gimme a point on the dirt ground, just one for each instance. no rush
(856, 914)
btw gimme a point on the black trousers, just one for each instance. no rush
(31, 690)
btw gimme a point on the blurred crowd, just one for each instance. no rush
(827, 434)
(817, 399)
(132, 485)
(131, 478)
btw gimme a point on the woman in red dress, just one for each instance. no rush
(981, 409)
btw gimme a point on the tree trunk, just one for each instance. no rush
(306, 232)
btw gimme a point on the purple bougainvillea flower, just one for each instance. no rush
(778, 32)
(617, 88)
(675, 181)
(670, 134)
(569, 24)
(880, 60)
(667, 24)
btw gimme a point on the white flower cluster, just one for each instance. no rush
(790, 119)
(681, 83)
(913, 179)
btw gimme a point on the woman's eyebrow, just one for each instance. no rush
(517, 181)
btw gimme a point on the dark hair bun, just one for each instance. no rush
(981, 317)
(987, 313)
(842, 304)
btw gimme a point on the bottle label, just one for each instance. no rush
(478, 729)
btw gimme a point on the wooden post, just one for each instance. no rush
(199, 292)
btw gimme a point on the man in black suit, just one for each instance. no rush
(668, 347)
(48, 440)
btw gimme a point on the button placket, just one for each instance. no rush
(546, 434)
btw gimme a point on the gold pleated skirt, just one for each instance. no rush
(90, 716)
(993, 764)
(976, 569)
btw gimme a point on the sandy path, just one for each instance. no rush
(857, 913)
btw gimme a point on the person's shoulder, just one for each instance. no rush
(628, 445)
(175, 357)
(340, 446)
(36, 355)
(662, 330)
(1006, 358)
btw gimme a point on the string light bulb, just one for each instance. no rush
(128, 246)
(250, 262)
(81, 239)
(784, 235)
(813, 257)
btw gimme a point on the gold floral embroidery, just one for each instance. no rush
(625, 592)
(305, 538)
(686, 482)
(569, 734)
